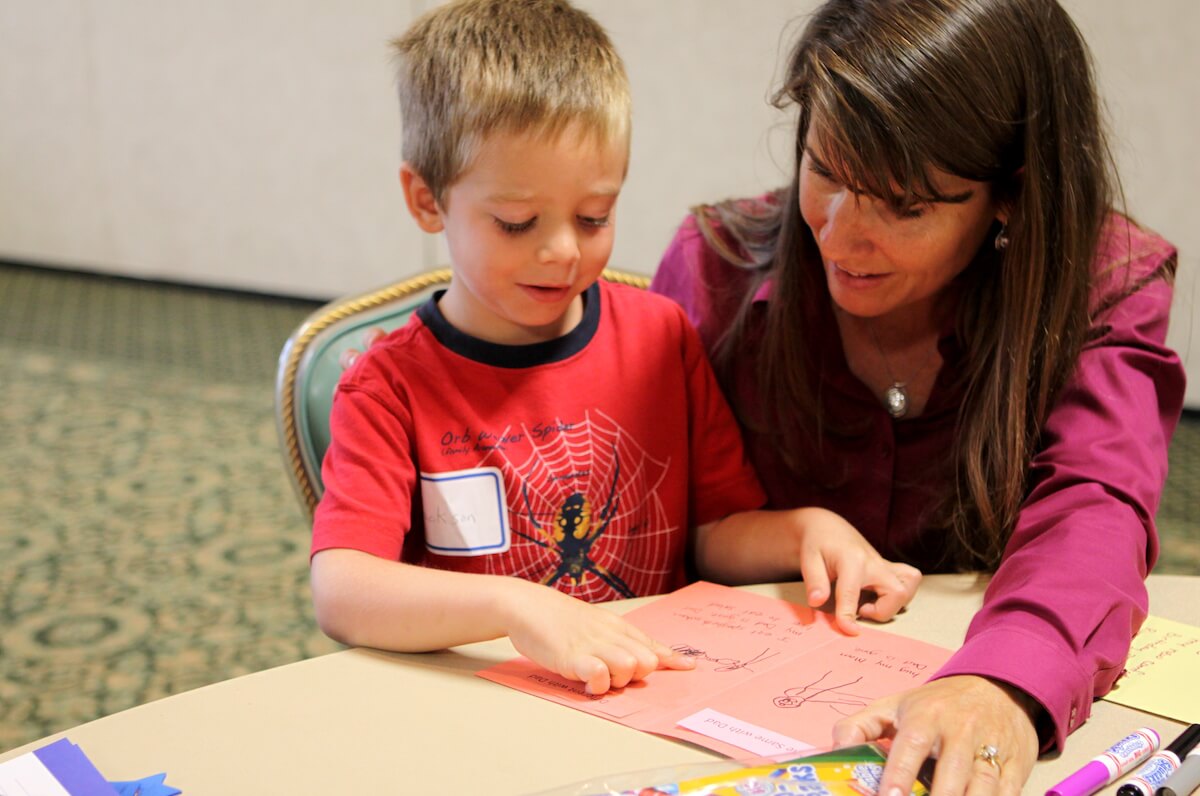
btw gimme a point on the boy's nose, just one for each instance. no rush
(561, 245)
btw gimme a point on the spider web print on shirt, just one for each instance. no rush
(595, 460)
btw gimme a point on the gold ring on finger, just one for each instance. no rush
(990, 755)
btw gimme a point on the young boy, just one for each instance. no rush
(532, 421)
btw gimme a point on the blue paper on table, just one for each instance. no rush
(53, 770)
(146, 786)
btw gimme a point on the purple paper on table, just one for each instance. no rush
(73, 770)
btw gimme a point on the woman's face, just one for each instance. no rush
(888, 265)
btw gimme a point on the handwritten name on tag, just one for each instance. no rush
(466, 512)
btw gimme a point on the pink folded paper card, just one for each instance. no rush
(771, 677)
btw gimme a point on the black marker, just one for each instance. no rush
(1160, 766)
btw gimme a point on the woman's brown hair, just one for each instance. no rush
(996, 91)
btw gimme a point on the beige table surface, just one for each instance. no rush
(367, 721)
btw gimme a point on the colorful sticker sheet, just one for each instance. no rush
(852, 771)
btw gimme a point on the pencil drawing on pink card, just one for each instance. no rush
(724, 663)
(763, 665)
(827, 691)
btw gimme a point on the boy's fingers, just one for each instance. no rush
(911, 576)
(347, 357)
(816, 578)
(894, 589)
(593, 673)
(649, 653)
(845, 606)
(888, 605)
(671, 659)
(889, 599)
(635, 662)
(623, 667)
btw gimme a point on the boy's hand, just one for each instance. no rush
(583, 642)
(832, 550)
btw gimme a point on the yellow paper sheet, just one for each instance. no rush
(1162, 674)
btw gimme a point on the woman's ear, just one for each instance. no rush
(1009, 194)
(422, 204)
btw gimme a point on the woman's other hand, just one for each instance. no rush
(952, 720)
(370, 338)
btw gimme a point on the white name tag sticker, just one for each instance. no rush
(466, 512)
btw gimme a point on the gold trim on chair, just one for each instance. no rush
(295, 349)
(626, 278)
(297, 346)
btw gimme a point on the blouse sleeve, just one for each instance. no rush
(1070, 591)
(710, 289)
(679, 276)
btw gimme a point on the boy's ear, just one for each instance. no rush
(420, 200)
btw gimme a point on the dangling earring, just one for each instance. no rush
(1001, 242)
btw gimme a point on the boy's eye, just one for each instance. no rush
(593, 221)
(514, 228)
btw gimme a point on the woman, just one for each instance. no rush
(942, 331)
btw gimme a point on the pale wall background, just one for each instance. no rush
(254, 145)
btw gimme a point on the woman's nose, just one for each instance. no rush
(845, 229)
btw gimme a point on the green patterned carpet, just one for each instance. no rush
(149, 540)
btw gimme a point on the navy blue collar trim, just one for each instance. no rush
(514, 356)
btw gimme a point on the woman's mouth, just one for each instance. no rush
(853, 278)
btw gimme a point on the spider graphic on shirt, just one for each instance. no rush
(573, 531)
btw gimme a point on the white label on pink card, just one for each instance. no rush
(743, 734)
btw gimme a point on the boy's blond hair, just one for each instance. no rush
(474, 67)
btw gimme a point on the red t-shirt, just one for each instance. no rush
(581, 462)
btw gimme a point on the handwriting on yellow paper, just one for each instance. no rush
(1161, 673)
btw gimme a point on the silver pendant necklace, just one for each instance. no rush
(895, 397)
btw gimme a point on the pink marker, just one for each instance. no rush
(1112, 763)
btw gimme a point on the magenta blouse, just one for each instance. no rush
(1059, 613)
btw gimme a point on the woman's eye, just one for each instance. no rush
(516, 228)
(910, 212)
(821, 172)
(593, 221)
